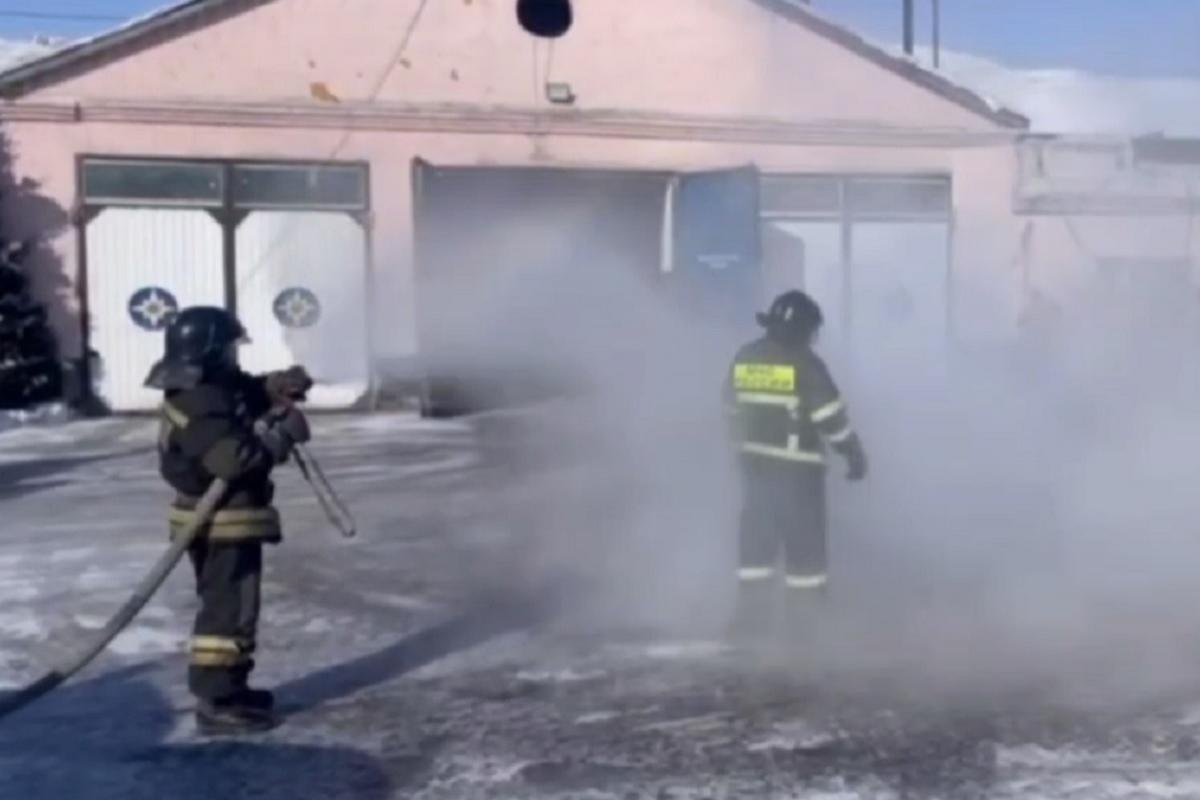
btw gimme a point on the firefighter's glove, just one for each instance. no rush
(289, 386)
(856, 459)
(294, 425)
(281, 431)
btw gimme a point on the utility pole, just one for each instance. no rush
(937, 33)
(908, 27)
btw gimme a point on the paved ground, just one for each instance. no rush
(468, 646)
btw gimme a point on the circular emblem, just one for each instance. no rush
(152, 307)
(297, 307)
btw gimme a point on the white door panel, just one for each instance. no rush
(142, 265)
(302, 295)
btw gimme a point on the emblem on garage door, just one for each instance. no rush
(152, 307)
(297, 307)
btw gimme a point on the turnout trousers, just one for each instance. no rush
(784, 513)
(228, 583)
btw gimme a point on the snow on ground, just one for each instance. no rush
(406, 672)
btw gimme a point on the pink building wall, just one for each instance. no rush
(693, 84)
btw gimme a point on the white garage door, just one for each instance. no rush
(302, 295)
(144, 264)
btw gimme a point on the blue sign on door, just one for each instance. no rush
(152, 307)
(717, 245)
(297, 307)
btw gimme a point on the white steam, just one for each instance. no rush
(1031, 519)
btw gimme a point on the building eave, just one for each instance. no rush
(495, 120)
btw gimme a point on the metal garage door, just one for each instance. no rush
(302, 295)
(143, 264)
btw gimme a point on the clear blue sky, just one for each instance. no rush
(1126, 37)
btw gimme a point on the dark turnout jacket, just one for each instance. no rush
(785, 404)
(208, 432)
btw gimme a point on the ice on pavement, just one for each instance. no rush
(685, 650)
(558, 676)
(795, 735)
(382, 654)
(141, 640)
(21, 625)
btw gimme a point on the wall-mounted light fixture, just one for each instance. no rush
(561, 94)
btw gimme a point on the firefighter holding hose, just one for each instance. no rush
(220, 422)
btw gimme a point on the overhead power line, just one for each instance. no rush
(11, 13)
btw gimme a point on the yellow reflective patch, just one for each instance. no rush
(764, 377)
(175, 416)
(206, 658)
(220, 644)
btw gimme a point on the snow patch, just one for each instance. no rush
(597, 717)
(1191, 715)
(794, 736)
(1185, 789)
(686, 650)
(703, 722)
(72, 554)
(318, 625)
(159, 612)
(94, 622)
(88, 622)
(558, 676)
(96, 578)
(141, 640)
(22, 625)
(51, 413)
(1035, 756)
(1117, 787)
(399, 601)
(466, 770)
(18, 592)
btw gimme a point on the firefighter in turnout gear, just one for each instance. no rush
(785, 409)
(219, 422)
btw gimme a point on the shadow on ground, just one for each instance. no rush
(108, 739)
(20, 478)
(462, 632)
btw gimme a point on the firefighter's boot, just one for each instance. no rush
(233, 717)
(260, 699)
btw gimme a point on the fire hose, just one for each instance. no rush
(141, 595)
(334, 509)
